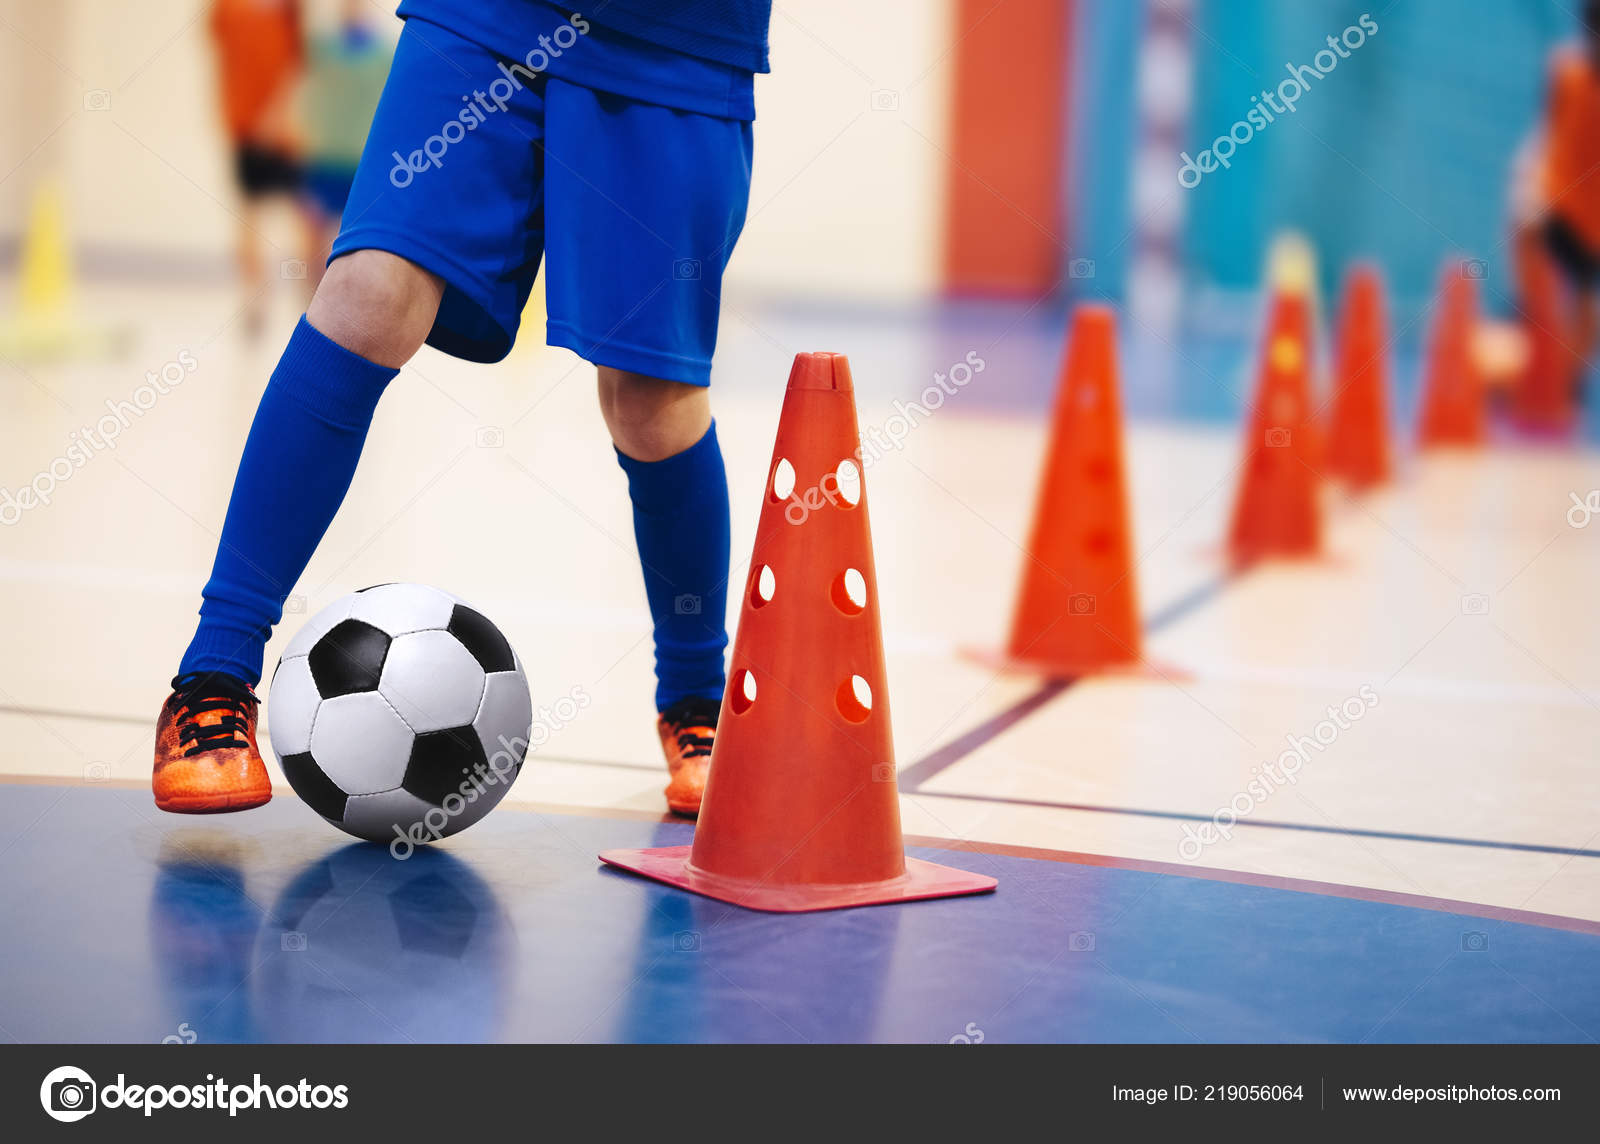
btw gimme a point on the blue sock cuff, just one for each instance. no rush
(655, 486)
(327, 380)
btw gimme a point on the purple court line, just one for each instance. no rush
(919, 772)
(1273, 824)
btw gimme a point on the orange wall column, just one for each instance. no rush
(1003, 231)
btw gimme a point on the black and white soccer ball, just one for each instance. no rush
(400, 714)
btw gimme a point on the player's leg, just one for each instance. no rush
(439, 251)
(370, 314)
(644, 205)
(1586, 332)
(667, 444)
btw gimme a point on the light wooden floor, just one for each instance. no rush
(1475, 777)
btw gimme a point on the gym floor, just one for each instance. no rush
(1432, 874)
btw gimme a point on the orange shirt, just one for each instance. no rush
(1572, 145)
(258, 49)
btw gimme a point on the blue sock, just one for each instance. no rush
(298, 462)
(680, 521)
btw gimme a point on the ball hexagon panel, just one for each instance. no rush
(375, 816)
(361, 743)
(401, 608)
(292, 706)
(318, 626)
(432, 681)
(482, 639)
(348, 659)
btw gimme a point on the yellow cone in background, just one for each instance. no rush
(45, 280)
(44, 325)
(1292, 267)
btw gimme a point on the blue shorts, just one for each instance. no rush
(476, 170)
(328, 185)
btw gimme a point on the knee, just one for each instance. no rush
(650, 418)
(377, 305)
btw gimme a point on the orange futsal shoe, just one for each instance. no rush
(687, 730)
(206, 756)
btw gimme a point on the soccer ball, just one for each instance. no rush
(400, 714)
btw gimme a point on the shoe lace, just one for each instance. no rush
(693, 743)
(696, 721)
(200, 692)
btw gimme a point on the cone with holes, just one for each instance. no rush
(1358, 438)
(801, 811)
(1278, 512)
(1077, 609)
(1454, 403)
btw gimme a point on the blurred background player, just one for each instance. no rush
(345, 69)
(619, 149)
(260, 54)
(1557, 194)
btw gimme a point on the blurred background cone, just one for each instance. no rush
(1358, 450)
(1454, 400)
(1077, 608)
(1277, 512)
(45, 323)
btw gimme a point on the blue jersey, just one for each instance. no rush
(647, 59)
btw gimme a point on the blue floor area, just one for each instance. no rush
(124, 924)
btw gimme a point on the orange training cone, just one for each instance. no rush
(1077, 609)
(1278, 512)
(801, 810)
(1544, 395)
(1358, 439)
(1454, 410)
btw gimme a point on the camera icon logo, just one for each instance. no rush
(97, 773)
(294, 605)
(1278, 437)
(1475, 604)
(67, 1094)
(686, 270)
(97, 99)
(292, 268)
(686, 941)
(293, 941)
(1474, 941)
(686, 605)
(1081, 604)
(1080, 268)
(1082, 941)
(491, 437)
(883, 773)
(885, 99)
(1475, 268)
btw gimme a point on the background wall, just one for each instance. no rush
(1402, 151)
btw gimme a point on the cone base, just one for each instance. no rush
(997, 659)
(670, 864)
